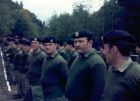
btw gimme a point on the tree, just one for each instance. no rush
(16, 20)
(6, 20)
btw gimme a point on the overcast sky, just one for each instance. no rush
(44, 9)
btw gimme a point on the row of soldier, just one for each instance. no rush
(75, 72)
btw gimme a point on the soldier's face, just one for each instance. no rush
(82, 45)
(10, 44)
(23, 47)
(35, 45)
(28, 49)
(67, 47)
(108, 53)
(49, 48)
(13, 44)
(101, 50)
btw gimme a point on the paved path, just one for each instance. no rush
(6, 91)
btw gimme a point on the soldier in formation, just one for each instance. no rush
(123, 80)
(54, 73)
(87, 73)
(46, 70)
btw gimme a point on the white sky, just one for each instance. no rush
(44, 9)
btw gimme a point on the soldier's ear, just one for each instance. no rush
(114, 49)
(91, 42)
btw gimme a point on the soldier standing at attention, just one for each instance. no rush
(138, 51)
(36, 58)
(69, 47)
(54, 74)
(23, 67)
(87, 73)
(10, 53)
(17, 65)
(61, 50)
(123, 80)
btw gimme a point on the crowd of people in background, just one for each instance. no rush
(48, 69)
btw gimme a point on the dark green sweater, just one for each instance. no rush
(72, 57)
(63, 53)
(86, 78)
(35, 66)
(123, 86)
(54, 76)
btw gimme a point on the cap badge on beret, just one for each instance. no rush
(51, 40)
(76, 34)
(35, 39)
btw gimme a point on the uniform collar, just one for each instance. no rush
(36, 51)
(86, 54)
(124, 66)
(72, 52)
(53, 54)
(60, 49)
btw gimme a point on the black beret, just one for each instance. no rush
(36, 39)
(28, 43)
(69, 42)
(83, 33)
(16, 42)
(49, 39)
(116, 36)
(25, 42)
(20, 41)
(60, 42)
(17, 37)
(10, 39)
